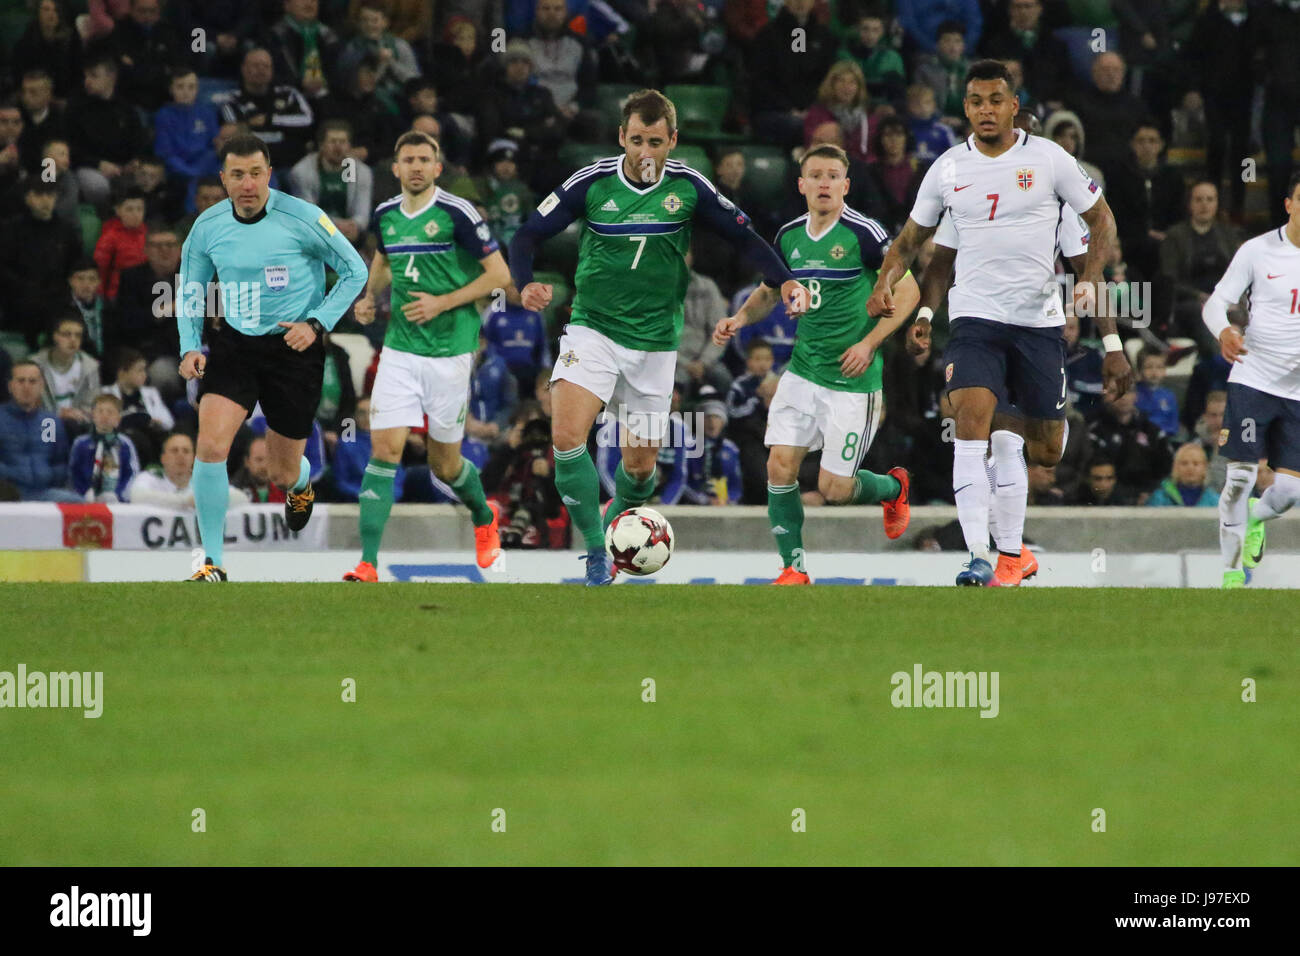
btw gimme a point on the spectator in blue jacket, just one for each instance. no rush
(920, 20)
(493, 394)
(713, 473)
(1154, 400)
(183, 133)
(672, 459)
(777, 330)
(932, 136)
(103, 461)
(33, 444)
(518, 336)
(352, 454)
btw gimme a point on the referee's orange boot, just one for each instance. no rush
(791, 576)
(1028, 564)
(897, 512)
(1009, 572)
(487, 540)
(297, 507)
(365, 571)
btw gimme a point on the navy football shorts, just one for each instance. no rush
(1024, 366)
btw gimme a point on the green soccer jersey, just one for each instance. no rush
(435, 250)
(839, 268)
(632, 276)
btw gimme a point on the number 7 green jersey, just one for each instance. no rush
(435, 249)
(631, 278)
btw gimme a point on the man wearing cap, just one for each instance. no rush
(507, 198)
(713, 475)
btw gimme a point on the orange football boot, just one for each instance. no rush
(1008, 573)
(365, 571)
(487, 540)
(791, 576)
(897, 512)
(1028, 564)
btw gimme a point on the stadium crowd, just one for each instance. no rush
(111, 112)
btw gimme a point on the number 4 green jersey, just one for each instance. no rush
(436, 250)
(632, 276)
(839, 268)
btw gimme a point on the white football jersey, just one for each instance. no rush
(1005, 212)
(1268, 266)
(1071, 235)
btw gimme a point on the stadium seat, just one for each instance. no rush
(694, 157)
(700, 112)
(90, 227)
(609, 100)
(767, 173)
(13, 23)
(576, 155)
(360, 352)
(560, 252)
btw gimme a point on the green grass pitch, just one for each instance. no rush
(528, 698)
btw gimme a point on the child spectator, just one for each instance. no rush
(944, 71)
(881, 65)
(352, 454)
(121, 242)
(183, 133)
(71, 376)
(1139, 449)
(493, 395)
(747, 403)
(713, 475)
(68, 204)
(1083, 385)
(924, 121)
(1186, 485)
(83, 284)
(103, 462)
(161, 200)
(145, 415)
(1154, 400)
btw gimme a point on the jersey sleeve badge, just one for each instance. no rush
(547, 204)
(324, 222)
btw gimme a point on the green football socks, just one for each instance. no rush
(785, 514)
(628, 493)
(871, 489)
(376, 500)
(579, 487)
(469, 489)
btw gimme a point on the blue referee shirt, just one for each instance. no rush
(270, 270)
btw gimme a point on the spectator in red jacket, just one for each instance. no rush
(121, 242)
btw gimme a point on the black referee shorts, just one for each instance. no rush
(252, 368)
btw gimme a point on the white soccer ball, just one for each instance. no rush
(639, 541)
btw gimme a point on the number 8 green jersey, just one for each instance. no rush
(632, 276)
(435, 250)
(839, 267)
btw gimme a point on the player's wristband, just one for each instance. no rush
(315, 326)
(924, 312)
(1112, 343)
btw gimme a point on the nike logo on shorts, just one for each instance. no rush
(963, 488)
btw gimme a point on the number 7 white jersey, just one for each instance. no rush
(1005, 211)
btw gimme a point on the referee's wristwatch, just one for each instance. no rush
(315, 326)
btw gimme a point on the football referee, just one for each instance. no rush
(269, 251)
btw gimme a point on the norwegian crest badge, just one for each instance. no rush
(1025, 179)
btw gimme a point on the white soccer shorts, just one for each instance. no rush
(636, 387)
(806, 415)
(408, 387)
